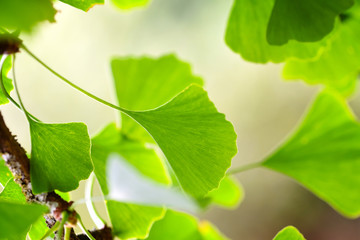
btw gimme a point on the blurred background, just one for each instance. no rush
(263, 108)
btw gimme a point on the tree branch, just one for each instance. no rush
(19, 164)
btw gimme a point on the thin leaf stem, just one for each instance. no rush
(70, 83)
(83, 228)
(67, 233)
(244, 168)
(51, 230)
(99, 222)
(60, 232)
(2, 85)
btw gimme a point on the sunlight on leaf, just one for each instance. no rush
(323, 154)
(16, 219)
(128, 220)
(128, 4)
(60, 156)
(303, 20)
(146, 83)
(196, 139)
(12, 192)
(38, 229)
(128, 185)
(84, 5)
(24, 14)
(289, 233)
(181, 226)
(7, 65)
(5, 174)
(246, 35)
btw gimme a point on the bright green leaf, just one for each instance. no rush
(84, 5)
(209, 232)
(146, 83)
(128, 4)
(289, 233)
(323, 154)
(175, 226)
(128, 220)
(6, 80)
(246, 35)
(5, 174)
(229, 194)
(303, 20)
(24, 14)
(17, 218)
(60, 156)
(12, 192)
(38, 229)
(338, 66)
(196, 139)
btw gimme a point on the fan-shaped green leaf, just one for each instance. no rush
(128, 220)
(146, 83)
(303, 20)
(323, 154)
(246, 35)
(339, 65)
(196, 139)
(16, 218)
(84, 5)
(24, 14)
(289, 233)
(38, 229)
(209, 232)
(60, 156)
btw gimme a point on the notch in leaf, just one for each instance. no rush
(324, 154)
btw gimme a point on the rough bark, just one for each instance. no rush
(19, 164)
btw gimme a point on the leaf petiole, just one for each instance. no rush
(51, 230)
(244, 168)
(83, 228)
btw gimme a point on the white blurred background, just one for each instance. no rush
(263, 108)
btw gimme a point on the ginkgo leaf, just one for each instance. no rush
(289, 233)
(303, 20)
(84, 5)
(323, 154)
(338, 66)
(6, 64)
(12, 192)
(246, 35)
(146, 83)
(16, 218)
(181, 226)
(127, 185)
(38, 229)
(128, 220)
(128, 4)
(60, 156)
(24, 14)
(196, 139)
(229, 194)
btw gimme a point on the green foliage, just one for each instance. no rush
(289, 233)
(55, 162)
(246, 35)
(323, 154)
(24, 14)
(12, 192)
(5, 174)
(84, 5)
(6, 80)
(129, 4)
(128, 220)
(186, 128)
(290, 19)
(146, 83)
(16, 218)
